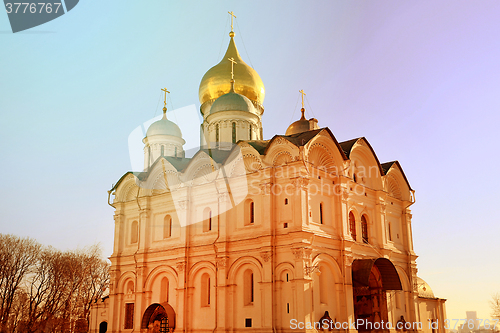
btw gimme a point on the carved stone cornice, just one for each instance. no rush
(302, 253)
(300, 183)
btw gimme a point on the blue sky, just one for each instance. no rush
(420, 80)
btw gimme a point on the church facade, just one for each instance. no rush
(299, 232)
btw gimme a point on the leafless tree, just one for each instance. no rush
(17, 257)
(46, 290)
(495, 306)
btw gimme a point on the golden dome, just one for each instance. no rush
(299, 126)
(216, 82)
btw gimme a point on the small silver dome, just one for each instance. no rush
(164, 127)
(232, 102)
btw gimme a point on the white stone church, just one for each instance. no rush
(261, 235)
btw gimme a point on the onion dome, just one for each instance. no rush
(164, 127)
(233, 102)
(299, 126)
(215, 82)
(424, 290)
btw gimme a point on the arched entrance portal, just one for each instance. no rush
(371, 279)
(103, 327)
(158, 318)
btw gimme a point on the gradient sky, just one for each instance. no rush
(419, 79)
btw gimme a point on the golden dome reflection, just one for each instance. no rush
(216, 81)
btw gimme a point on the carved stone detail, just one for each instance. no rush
(266, 255)
(221, 262)
(302, 253)
(140, 270)
(181, 266)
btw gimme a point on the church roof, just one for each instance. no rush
(386, 166)
(347, 148)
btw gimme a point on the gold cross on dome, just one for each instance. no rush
(303, 94)
(165, 100)
(232, 16)
(233, 62)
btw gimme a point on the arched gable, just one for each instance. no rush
(323, 152)
(155, 181)
(280, 151)
(395, 182)
(364, 166)
(201, 169)
(244, 159)
(126, 188)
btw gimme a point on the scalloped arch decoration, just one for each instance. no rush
(205, 174)
(319, 156)
(252, 163)
(283, 157)
(130, 193)
(393, 187)
(173, 181)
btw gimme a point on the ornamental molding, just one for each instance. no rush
(266, 255)
(140, 270)
(221, 262)
(181, 266)
(302, 253)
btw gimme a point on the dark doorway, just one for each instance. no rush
(103, 327)
(371, 279)
(158, 318)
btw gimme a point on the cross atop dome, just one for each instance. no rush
(231, 34)
(165, 102)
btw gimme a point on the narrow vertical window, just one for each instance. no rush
(389, 231)
(175, 152)
(217, 133)
(205, 290)
(321, 213)
(248, 286)
(250, 132)
(129, 316)
(167, 226)
(251, 287)
(207, 220)
(364, 229)
(164, 290)
(286, 201)
(162, 150)
(323, 287)
(352, 225)
(234, 132)
(252, 212)
(134, 231)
